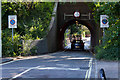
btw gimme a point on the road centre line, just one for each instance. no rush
(88, 72)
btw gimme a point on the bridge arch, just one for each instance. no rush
(65, 18)
(59, 23)
(70, 22)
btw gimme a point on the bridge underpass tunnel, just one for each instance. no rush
(74, 34)
(92, 28)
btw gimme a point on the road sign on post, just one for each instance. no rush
(104, 21)
(76, 14)
(12, 21)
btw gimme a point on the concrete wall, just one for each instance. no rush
(52, 35)
(49, 43)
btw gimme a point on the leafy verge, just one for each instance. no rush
(109, 49)
(33, 19)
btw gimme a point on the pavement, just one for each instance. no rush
(111, 68)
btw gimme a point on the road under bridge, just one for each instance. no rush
(61, 19)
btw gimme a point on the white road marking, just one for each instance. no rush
(90, 65)
(88, 72)
(44, 68)
(23, 72)
(59, 68)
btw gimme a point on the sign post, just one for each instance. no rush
(12, 23)
(104, 23)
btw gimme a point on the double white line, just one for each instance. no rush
(88, 72)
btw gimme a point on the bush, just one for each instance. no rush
(33, 19)
(110, 53)
(9, 47)
(33, 51)
(108, 50)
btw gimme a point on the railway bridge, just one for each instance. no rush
(62, 17)
(62, 64)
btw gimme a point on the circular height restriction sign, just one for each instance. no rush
(76, 14)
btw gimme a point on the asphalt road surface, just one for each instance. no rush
(66, 64)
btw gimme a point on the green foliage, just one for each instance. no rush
(33, 51)
(75, 28)
(9, 47)
(109, 53)
(66, 35)
(109, 48)
(33, 19)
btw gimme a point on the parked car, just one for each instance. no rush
(77, 45)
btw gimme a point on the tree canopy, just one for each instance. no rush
(33, 19)
(109, 49)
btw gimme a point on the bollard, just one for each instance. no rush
(102, 74)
